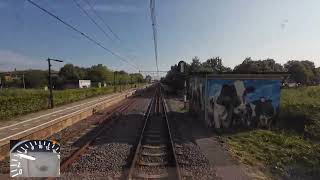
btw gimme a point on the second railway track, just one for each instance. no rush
(105, 153)
(91, 137)
(155, 156)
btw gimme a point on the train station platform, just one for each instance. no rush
(44, 123)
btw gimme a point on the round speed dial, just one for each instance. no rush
(35, 158)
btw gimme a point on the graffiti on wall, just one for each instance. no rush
(242, 102)
(197, 88)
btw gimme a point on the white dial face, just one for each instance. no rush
(35, 158)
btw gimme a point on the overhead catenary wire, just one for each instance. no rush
(91, 19)
(97, 24)
(101, 19)
(91, 7)
(83, 34)
(153, 19)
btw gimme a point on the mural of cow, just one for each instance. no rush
(233, 100)
(264, 111)
(230, 106)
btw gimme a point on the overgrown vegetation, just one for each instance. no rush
(15, 102)
(286, 155)
(68, 76)
(303, 72)
(291, 149)
(300, 111)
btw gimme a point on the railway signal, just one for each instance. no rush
(182, 68)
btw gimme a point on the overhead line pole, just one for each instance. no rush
(114, 81)
(23, 81)
(50, 81)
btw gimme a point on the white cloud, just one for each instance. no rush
(115, 8)
(10, 60)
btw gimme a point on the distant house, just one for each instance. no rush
(74, 84)
(290, 84)
(84, 83)
(148, 79)
(9, 76)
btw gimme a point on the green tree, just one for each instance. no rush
(256, 66)
(214, 65)
(71, 72)
(318, 75)
(99, 73)
(195, 65)
(136, 78)
(123, 77)
(36, 78)
(176, 79)
(303, 72)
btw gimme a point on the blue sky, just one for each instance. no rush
(231, 29)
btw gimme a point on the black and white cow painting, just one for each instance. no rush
(230, 106)
(264, 111)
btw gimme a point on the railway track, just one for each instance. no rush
(102, 126)
(77, 138)
(132, 140)
(155, 156)
(104, 155)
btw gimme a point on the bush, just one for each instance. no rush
(16, 102)
(300, 110)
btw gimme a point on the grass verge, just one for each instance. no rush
(285, 155)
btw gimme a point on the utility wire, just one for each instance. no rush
(91, 6)
(153, 19)
(83, 34)
(101, 19)
(91, 19)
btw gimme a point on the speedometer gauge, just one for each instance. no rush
(35, 158)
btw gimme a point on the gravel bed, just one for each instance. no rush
(108, 162)
(192, 162)
(72, 137)
(108, 156)
(4, 166)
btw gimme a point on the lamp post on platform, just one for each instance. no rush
(50, 80)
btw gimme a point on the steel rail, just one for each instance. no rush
(160, 107)
(135, 157)
(165, 107)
